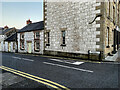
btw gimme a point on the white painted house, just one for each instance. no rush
(1, 39)
(31, 38)
(4, 34)
(11, 43)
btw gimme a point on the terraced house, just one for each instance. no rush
(31, 38)
(11, 43)
(82, 29)
(5, 33)
(1, 38)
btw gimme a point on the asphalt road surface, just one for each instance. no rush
(68, 73)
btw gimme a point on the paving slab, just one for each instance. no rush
(12, 81)
(9, 79)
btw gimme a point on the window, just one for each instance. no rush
(37, 45)
(22, 44)
(113, 14)
(13, 45)
(63, 37)
(37, 35)
(109, 8)
(107, 37)
(37, 41)
(48, 38)
(119, 14)
(22, 36)
(22, 41)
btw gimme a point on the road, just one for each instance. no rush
(71, 74)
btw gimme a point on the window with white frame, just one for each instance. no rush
(37, 45)
(22, 36)
(22, 41)
(22, 44)
(37, 41)
(37, 35)
(13, 45)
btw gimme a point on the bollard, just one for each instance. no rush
(100, 59)
(88, 54)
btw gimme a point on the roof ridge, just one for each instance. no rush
(36, 22)
(11, 35)
(33, 26)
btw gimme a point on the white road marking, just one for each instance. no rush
(23, 59)
(56, 60)
(16, 57)
(28, 59)
(75, 63)
(69, 67)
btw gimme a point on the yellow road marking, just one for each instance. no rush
(38, 78)
(32, 79)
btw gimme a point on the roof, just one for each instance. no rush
(5, 31)
(12, 37)
(33, 27)
(1, 31)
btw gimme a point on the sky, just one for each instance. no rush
(15, 14)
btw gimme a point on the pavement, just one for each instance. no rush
(118, 56)
(59, 73)
(13, 81)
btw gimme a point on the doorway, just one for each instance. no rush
(9, 47)
(29, 47)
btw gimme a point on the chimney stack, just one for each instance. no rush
(28, 21)
(6, 27)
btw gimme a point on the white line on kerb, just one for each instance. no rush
(23, 59)
(75, 63)
(68, 67)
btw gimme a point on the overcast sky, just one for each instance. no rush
(15, 14)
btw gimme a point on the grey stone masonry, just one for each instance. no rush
(74, 18)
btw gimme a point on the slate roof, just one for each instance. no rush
(4, 31)
(1, 31)
(33, 27)
(12, 37)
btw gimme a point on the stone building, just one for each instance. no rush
(31, 38)
(82, 29)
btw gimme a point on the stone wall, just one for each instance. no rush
(74, 18)
(108, 18)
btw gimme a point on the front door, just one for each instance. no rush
(9, 47)
(29, 45)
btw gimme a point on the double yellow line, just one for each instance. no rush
(35, 78)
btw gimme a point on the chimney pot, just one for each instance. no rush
(28, 21)
(6, 27)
